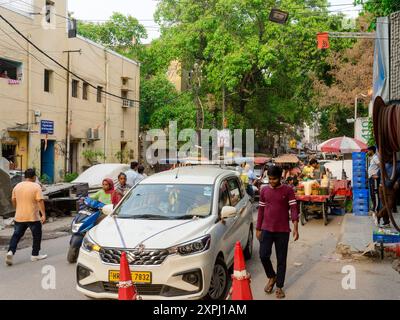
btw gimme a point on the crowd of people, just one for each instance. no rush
(111, 194)
(292, 174)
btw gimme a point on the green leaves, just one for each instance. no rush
(119, 33)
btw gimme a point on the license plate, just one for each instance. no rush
(137, 277)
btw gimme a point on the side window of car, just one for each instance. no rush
(223, 197)
(234, 191)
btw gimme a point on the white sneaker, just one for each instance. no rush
(9, 258)
(38, 258)
(385, 226)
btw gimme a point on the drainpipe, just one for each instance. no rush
(28, 103)
(106, 106)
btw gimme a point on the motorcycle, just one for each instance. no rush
(89, 212)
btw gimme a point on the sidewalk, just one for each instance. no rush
(357, 235)
(58, 227)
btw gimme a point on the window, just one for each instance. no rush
(124, 94)
(234, 191)
(48, 79)
(223, 197)
(85, 90)
(75, 86)
(125, 81)
(99, 94)
(153, 201)
(49, 11)
(10, 69)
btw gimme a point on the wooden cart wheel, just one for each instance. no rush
(303, 214)
(325, 213)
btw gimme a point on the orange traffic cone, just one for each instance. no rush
(241, 278)
(395, 249)
(126, 289)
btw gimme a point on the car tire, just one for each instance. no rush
(73, 254)
(221, 271)
(248, 251)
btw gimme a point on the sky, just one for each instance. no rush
(143, 10)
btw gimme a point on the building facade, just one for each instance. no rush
(53, 120)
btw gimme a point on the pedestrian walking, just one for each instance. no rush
(273, 227)
(131, 174)
(27, 199)
(374, 181)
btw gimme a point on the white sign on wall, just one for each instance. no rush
(362, 130)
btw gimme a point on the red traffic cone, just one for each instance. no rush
(395, 249)
(241, 289)
(126, 289)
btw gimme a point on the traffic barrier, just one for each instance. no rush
(126, 288)
(241, 289)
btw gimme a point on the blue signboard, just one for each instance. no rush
(46, 127)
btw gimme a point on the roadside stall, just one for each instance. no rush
(321, 197)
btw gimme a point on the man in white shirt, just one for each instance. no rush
(374, 180)
(140, 175)
(132, 174)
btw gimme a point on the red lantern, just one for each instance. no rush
(323, 40)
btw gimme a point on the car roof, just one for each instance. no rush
(201, 175)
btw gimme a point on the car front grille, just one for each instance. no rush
(142, 289)
(135, 257)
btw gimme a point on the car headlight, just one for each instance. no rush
(76, 227)
(89, 245)
(192, 247)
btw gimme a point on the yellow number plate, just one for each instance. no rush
(137, 277)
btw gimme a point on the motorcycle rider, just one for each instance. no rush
(121, 190)
(104, 194)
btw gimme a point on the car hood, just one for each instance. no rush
(155, 234)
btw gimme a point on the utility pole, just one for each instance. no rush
(67, 117)
(223, 107)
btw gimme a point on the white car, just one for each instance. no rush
(179, 229)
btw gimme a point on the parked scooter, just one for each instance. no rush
(89, 212)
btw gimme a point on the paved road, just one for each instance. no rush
(319, 276)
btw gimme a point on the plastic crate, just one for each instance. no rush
(361, 203)
(359, 185)
(358, 155)
(386, 238)
(358, 172)
(359, 179)
(361, 193)
(360, 212)
(360, 164)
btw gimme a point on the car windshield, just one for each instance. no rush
(166, 202)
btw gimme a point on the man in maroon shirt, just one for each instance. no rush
(273, 227)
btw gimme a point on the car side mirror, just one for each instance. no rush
(228, 212)
(108, 209)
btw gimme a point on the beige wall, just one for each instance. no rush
(178, 76)
(19, 102)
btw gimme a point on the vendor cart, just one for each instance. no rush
(321, 205)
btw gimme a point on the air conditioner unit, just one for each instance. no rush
(127, 104)
(93, 134)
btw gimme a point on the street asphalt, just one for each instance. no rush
(314, 271)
